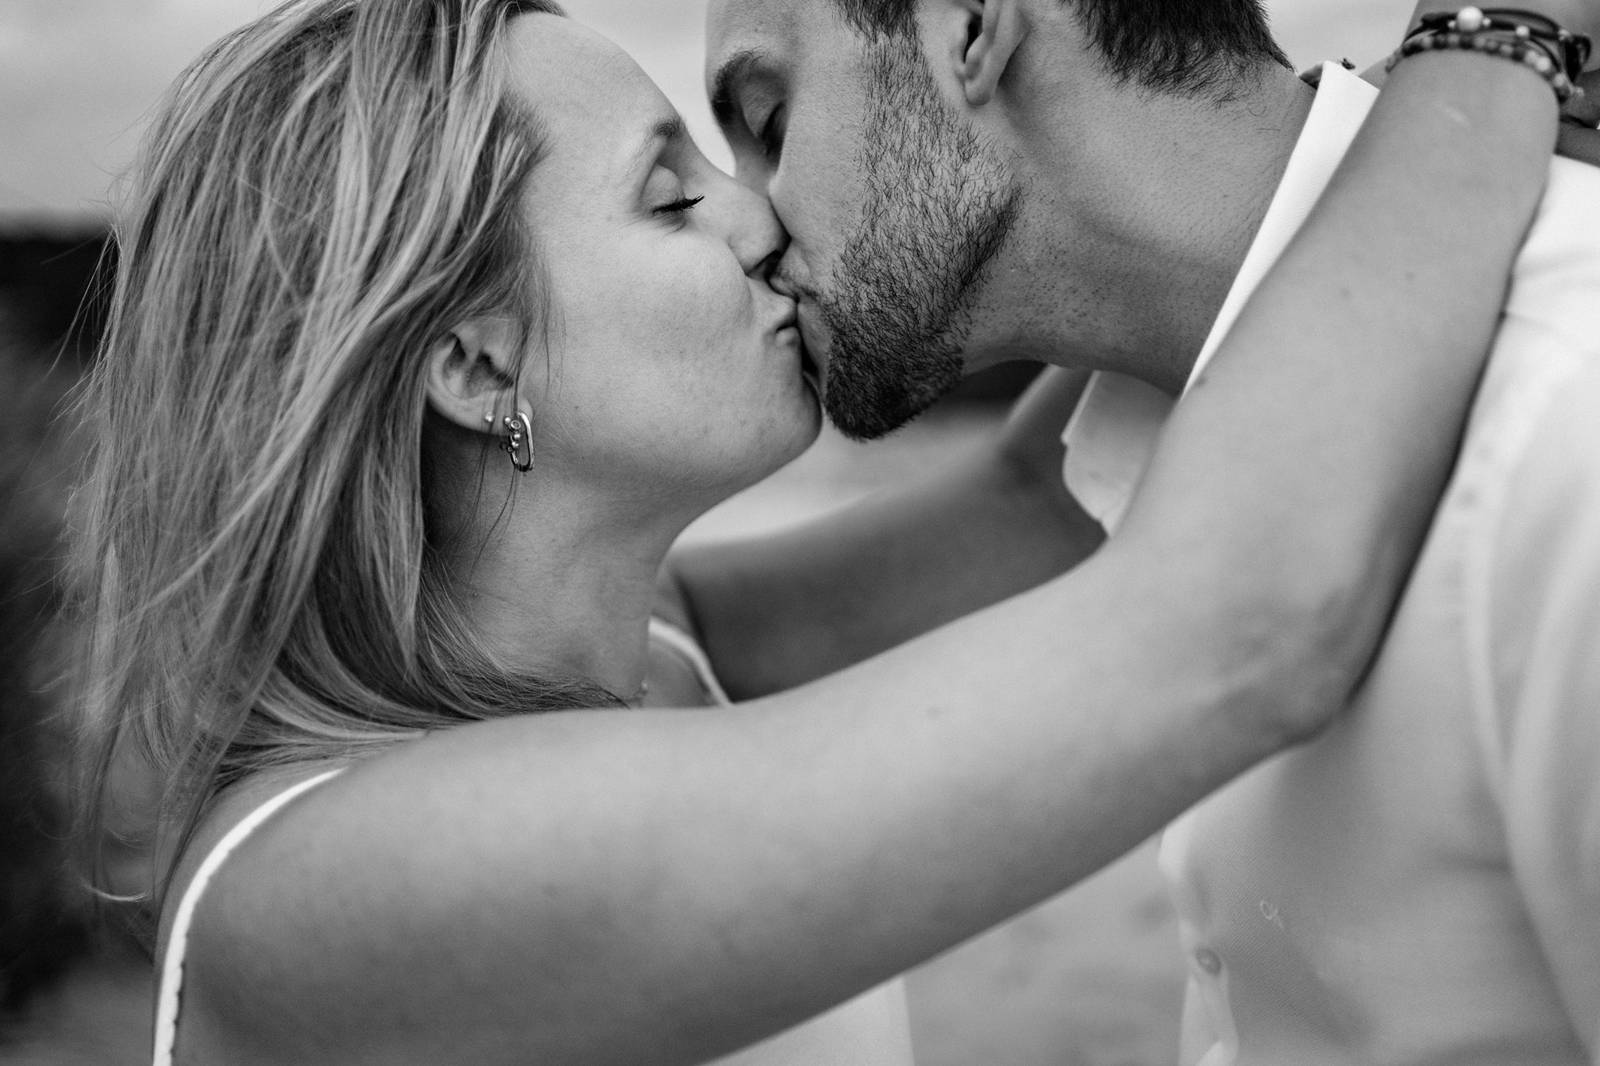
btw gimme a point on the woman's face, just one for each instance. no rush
(675, 371)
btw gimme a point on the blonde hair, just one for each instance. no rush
(324, 193)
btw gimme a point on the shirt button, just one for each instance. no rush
(1209, 961)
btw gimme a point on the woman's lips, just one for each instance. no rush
(810, 372)
(813, 341)
(788, 332)
(789, 335)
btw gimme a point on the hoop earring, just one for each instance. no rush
(518, 442)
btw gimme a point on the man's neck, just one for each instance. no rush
(1139, 216)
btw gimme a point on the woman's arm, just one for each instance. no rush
(615, 887)
(1577, 138)
(780, 610)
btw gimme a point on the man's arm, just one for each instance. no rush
(779, 610)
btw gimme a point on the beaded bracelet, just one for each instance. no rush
(1569, 50)
(1522, 37)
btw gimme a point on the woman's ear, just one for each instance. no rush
(995, 29)
(471, 373)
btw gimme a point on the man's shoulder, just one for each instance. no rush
(1575, 180)
(1558, 461)
(1534, 437)
(1530, 472)
(1568, 218)
(1556, 280)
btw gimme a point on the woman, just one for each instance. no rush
(376, 244)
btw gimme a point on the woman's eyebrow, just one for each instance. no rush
(665, 130)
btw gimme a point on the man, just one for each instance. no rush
(1102, 183)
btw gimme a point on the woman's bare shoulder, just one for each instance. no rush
(220, 818)
(211, 929)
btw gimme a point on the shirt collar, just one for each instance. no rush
(1113, 432)
(1337, 113)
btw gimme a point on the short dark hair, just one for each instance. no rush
(1194, 47)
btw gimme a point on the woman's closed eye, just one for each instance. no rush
(679, 206)
(666, 196)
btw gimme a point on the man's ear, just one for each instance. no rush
(471, 373)
(993, 31)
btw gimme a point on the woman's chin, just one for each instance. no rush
(805, 432)
(785, 444)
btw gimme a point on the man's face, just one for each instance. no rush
(894, 206)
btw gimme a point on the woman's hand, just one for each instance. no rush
(1578, 139)
(1585, 109)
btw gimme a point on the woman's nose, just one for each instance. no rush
(753, 231)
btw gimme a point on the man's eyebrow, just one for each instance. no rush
(729, 79)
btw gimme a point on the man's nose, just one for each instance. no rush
(779, 278)
(754, 233)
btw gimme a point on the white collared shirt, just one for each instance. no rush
(1112, 434)
(1422, 883)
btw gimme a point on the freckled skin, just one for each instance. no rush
(657, 312)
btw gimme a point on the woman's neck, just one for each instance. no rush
(565, 597)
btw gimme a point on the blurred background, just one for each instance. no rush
(1090, 979)
(77, 77)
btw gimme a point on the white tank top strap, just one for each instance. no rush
(690, 651)
(171, 987)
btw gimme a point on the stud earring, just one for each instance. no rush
(519, 441)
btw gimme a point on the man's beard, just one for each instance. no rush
(938, 208)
